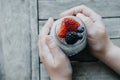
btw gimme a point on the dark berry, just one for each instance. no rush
(71, 37)
(80, 36)
(80, 29)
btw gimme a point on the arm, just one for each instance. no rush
(55, 61)
(100, 44)
(111, 57)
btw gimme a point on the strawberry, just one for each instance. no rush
(62, 30)
(71, 24)
(68, 24)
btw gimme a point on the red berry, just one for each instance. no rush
(71, 24)
(62, 31)
(68, 24)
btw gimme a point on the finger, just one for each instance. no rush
(70, 12)
(45, 54)
(54, 49)
(87, 21)
(91, 29)
(82, 9)
(45, 30)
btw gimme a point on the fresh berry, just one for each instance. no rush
(71, 24)
(80, 36)
(71, 37)
(80, 29)
(62, 31)
(68, 24)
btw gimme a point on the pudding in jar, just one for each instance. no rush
(70, 34)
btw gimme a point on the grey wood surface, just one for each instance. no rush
(2, 72)
(106, 8)
(34, 39)
(87, 71)
(15, 39)
(19, 58)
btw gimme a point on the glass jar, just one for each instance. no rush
(67, 48)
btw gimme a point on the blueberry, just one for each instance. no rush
(81, 29)
(80, 36)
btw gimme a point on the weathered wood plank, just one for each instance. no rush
(93, 71)
(87, 71)
(34, 39)
(2, 72)
(15, 39)
(113, 29)
(52, 8)
(43, 73)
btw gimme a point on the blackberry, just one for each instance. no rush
(71, 37)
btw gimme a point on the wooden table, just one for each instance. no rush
(20, 23)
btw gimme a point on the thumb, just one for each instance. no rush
(54, 49)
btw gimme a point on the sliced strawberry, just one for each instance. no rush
(71, 24)
(62, 30)
(68, 24)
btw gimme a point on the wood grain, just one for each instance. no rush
(2, 72)
(87, 71)
(52, 8)
(34, 39)
(18, 40)
(15, 39)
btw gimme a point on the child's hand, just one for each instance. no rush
(98, 39)
(55, 61)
